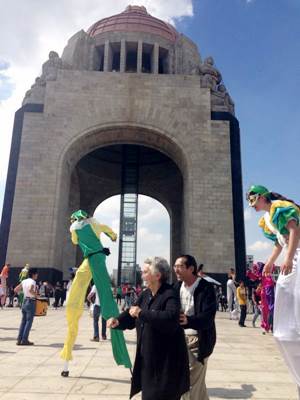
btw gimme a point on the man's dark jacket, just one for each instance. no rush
(203, 321)
(161, 368)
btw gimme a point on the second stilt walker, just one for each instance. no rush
(86, 232)
(281, 224)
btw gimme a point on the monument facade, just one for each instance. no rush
(130, 80)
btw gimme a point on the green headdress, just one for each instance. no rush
(79, 215)
(254, 192)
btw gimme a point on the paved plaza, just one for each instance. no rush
(245, 364)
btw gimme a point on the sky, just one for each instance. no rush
(255, 45)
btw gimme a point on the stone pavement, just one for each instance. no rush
(245, 364)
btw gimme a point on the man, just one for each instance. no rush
(96, 315)
(198, 305)
(28, 307)
(231, 295)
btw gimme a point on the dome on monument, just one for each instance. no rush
(134, 19)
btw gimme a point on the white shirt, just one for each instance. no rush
(231, 286)
(27, 285)
(94, 291)
(187, 302)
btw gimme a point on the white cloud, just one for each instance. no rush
(33, 28)
(259, 246)
(153, 233)
(247, 214)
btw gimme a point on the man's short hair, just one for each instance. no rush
(32, 271)
(190, 261)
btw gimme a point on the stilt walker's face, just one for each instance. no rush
(257, 202)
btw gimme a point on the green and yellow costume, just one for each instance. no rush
(86, 232)
(274, 223)
(22, 275)
(286, 328)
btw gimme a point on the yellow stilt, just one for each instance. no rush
(74, 307)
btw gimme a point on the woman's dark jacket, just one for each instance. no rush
(161, 368)
(203, 321)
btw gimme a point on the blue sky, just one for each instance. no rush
(255, 45)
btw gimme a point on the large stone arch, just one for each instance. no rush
(101, 137)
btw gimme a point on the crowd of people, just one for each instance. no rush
(55, 294)
(254, 296)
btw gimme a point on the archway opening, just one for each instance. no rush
(97, 177)
(153, 233)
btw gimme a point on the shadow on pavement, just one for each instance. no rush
(7, 352)
(102, 379)
(61, 345)
(246, 392)
(9, 329)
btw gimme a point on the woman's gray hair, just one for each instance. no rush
(159, 264)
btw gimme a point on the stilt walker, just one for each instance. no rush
(22, 275)
(281, 224)
(86, 232)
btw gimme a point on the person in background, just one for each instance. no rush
(23, 275)
(57, 294)
(127, 298)
(231, 294)
(119, 295)
(11, 295)
(4, 277)
(63, 294)
(256, 298)
(93, 294)
(138, 290)
(2, 296)
(28, 307)
(241, 295)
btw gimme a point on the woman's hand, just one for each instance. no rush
(267, 269)
(112, 323)
(134, 311)
(287, 266)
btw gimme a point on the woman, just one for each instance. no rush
(161, 368)
(256, 299)
(280, 223)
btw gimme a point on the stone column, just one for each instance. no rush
(155, 56)
(123, 56)
(107, 57)
(139, 56)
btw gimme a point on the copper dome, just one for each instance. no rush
(134, 19)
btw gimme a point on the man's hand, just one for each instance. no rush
(134, 311)
(112, 323)
(183, 319)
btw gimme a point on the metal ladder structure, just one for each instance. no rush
(128, 211)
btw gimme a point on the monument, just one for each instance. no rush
(130, 83)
